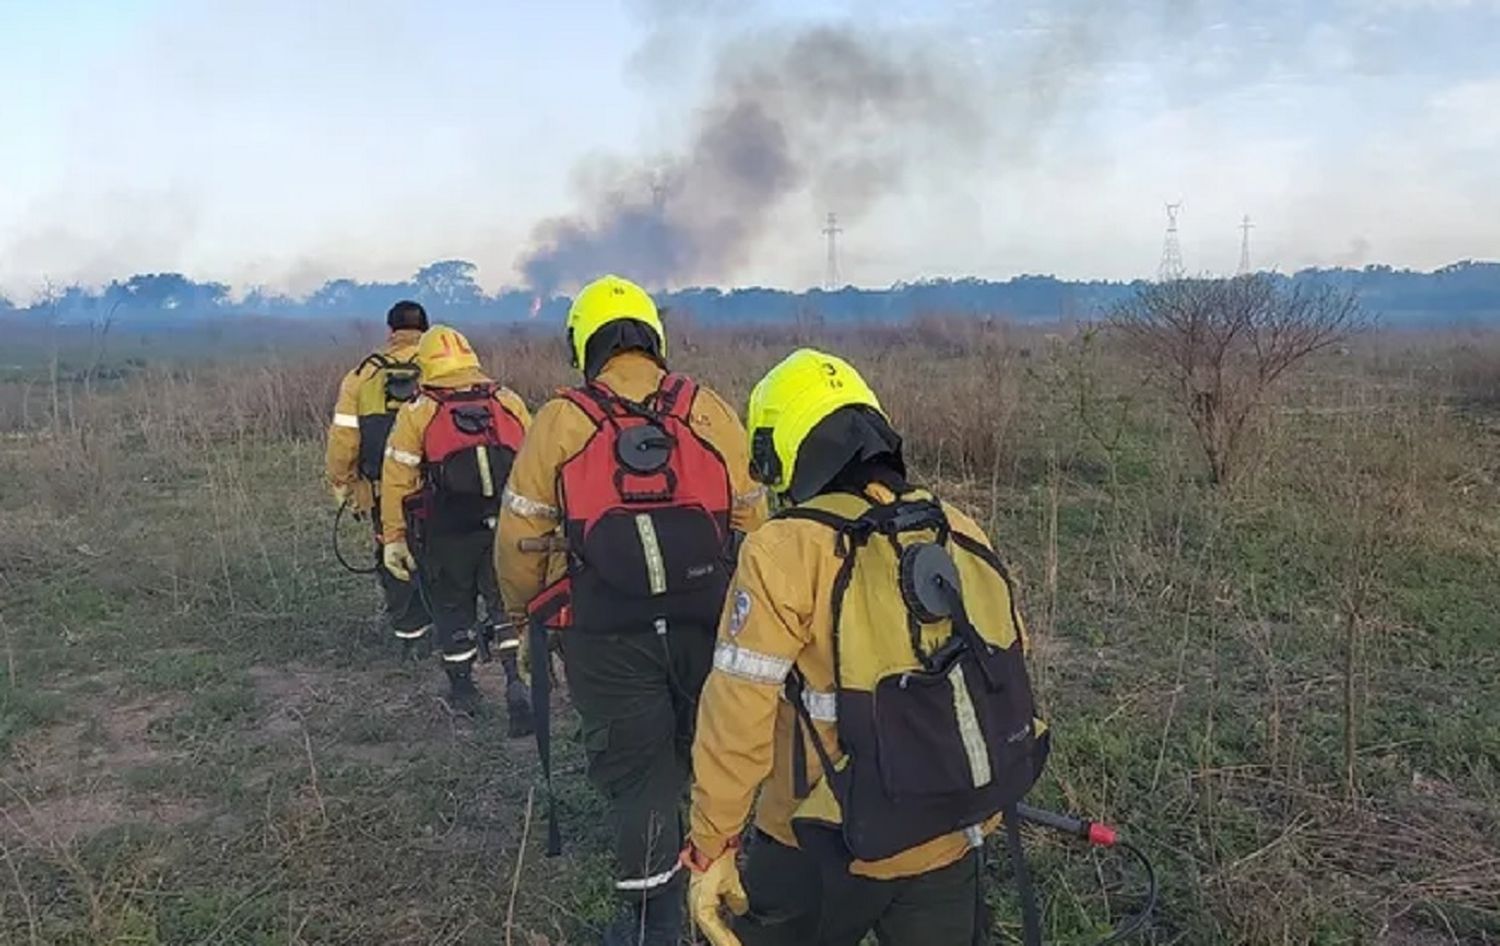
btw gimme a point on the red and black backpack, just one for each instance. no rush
(467, 452)
(646, 508)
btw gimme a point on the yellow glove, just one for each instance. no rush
(398, 560)
(342, 493)
(711, 885)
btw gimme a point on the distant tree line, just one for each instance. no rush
(1463, 292)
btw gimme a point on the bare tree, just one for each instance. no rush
(1219, 346)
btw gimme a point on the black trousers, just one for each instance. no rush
(795, 901)
(404, 606)
(638, 696)
(455, 570)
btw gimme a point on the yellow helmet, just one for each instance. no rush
(606, 300)
(443, 350)
(792, 399)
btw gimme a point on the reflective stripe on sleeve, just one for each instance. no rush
(747, 664)
(526, 507)
(746, 500)
(648, 883)
(401, 456)
(463, 657)
(974, 835)
(346, 420)
(822, 706)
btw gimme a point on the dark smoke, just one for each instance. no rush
(840, 116)
(843, 117)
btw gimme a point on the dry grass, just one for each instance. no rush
(1288, 694)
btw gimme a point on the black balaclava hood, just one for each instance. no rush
(615, 337)
(841, 448)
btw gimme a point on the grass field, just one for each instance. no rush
(1287, 692)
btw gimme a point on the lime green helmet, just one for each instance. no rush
(788, 405)
(607, 301)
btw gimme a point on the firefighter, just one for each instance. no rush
(369, 397)
(863, 591)
(444, 474)
(641, 476)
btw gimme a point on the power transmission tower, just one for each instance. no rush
(832, 230)
(1245, 227)
(1171, 249)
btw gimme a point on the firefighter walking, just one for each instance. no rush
(641, 476)
(368, 400)
(865, 593)
(445, 468)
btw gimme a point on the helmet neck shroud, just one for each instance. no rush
(615, 337)
(847, 450)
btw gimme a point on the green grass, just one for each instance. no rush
(244, 761)
(23, 710)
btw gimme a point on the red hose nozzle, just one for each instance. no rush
(1094, 832)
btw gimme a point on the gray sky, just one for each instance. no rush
(283, 142)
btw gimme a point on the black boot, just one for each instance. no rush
(463, 695)
(518, 708)
(517, 700)
(661, 924)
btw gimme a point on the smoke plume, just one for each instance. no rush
(840, 116)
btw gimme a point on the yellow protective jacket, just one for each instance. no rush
(531, 509)
(401, 473)
(341, 459)
(779, 615)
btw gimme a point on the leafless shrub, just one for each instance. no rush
(1219, 346)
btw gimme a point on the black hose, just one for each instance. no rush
(337, 553)
(1138, 922)
(1106, 837)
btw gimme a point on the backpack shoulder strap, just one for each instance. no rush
(674, 396)
(593, 399)
(377, 359)
(513, 432)
(846, 530)
(498, 396)
(910, 512)
(980, 551)
(833, 509)
(483, 391)
(794, 690)
(824, 517)
(846, 514)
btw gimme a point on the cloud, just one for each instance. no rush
(704, 141)
(1467, 115)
